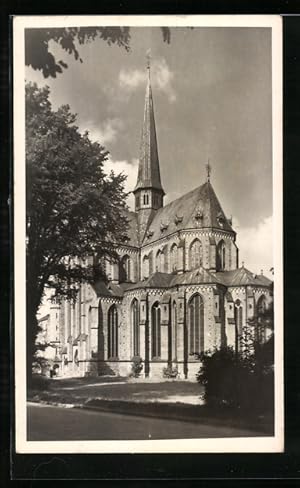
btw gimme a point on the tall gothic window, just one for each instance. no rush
(238, 318)
(100, 349)
(196, 324)
(261, 329)
(125, 269)
(112, 332)
(221, 254)
(145, 267)
(155, 331)
(135, 327)
(160, 261)
(195, 254)
(174, 331)
(174, 257)
(150, 257)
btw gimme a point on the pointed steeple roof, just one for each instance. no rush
(148, 173)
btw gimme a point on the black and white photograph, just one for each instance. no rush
(148, 234)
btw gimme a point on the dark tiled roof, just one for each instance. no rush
(132, 228)
(241, 277)
(110, 289)
(156, 280)
(238, 277)
(166, 280)
(199, 208)
(195, 277)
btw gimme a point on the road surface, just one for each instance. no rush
(49, 423)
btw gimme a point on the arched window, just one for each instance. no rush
(158, 261)
(261, 328)
(135, 327)
(100, 348)
(174, 331)
(125, 269)
(174, 257)
(112, 332)
(145, 267)
(195, 254)
(221, 255)
(155, 331)
(196, 325)
(162, 261)
(150, 257)
(238, 318)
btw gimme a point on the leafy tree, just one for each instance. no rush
(39, 57)
(238, 381)
(73, 207)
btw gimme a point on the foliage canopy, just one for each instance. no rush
(39, 56)
(74, 209)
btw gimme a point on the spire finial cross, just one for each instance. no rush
(208, 170)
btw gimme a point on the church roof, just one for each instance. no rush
(167, 280)
(103, 289)
(195, 277)
(199, 276)
(148, 172)
(200, 208)
(156, 280)
(132, 228)
(242, 277)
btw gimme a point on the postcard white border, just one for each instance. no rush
(219, 445)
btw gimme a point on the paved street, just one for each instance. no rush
(49, 423)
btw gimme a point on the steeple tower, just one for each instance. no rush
(148, 190)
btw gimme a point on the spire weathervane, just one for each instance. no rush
(208, 170)
(148, 56)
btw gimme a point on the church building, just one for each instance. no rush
(177, 290)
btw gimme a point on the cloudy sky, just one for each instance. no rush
(212, 99)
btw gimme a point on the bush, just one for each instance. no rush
(235, 381)
(170, 372)
(136, 366)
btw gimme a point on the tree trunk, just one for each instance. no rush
(32, 329)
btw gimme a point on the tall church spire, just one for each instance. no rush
(149, 173)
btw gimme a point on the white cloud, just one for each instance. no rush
(256, 246)
(130, 169)
(105, 132)
(161, 78)
(131, 79)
